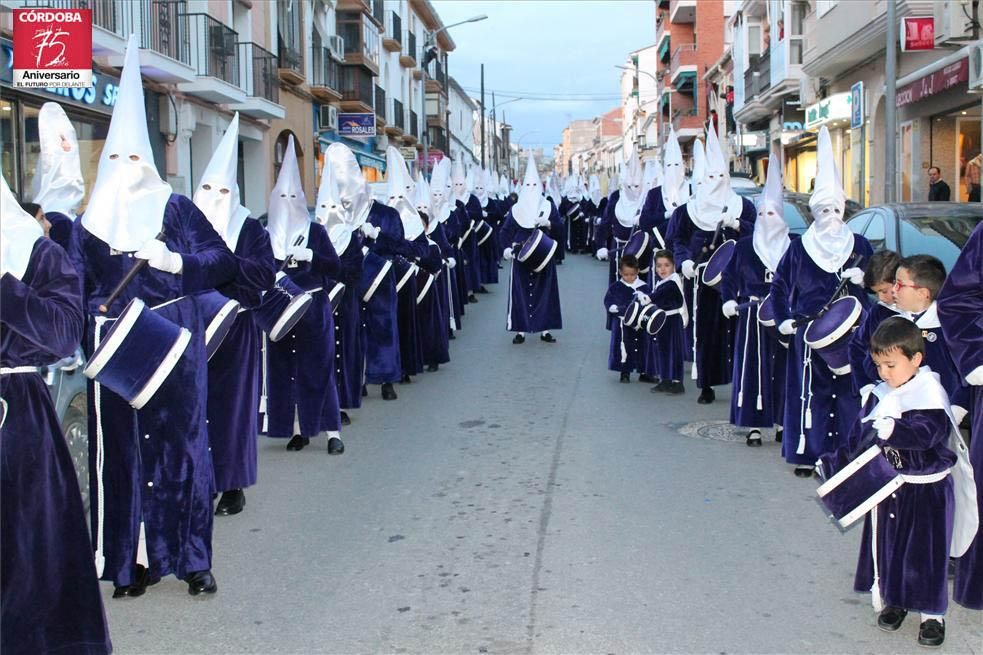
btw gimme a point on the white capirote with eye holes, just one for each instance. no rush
(58, 184)
(675, 188)
(828, 241)
(217, 193)
(770, 238)
(400, 194)
(289, 221)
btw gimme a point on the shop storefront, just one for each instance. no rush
(372, 162)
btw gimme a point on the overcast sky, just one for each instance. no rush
(564, 49)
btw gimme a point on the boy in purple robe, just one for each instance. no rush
(960, 304)
(878, 278)
(48, 582)
(628, 351)
(909, 537)
(669, 345)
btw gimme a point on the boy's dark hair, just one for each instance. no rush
(629, 261)
(897, 332)
(881, 267)
(926, 271)
(31, 208)
(664, 254)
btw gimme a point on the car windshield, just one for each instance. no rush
(942, 236)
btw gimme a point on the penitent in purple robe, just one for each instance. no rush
(379, 314)
(158, 469)
(960, 304)
(611, 234)
(757, 399)
(578, 215)
(61, 228)
(350, 328)
(820, 406)
(629, 348)
(301, 389)
(472, 263)
(48, 583)
(235, 370)
(655, 218)
(562, 231)
(534, 298)
(712, 335)
(436, 306)
(410, 345)
(489, 251)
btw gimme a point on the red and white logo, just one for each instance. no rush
(52, 47)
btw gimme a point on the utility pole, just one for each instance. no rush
(482, 115)
(890, 100)
(494, 157)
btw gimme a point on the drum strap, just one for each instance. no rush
(19, 369)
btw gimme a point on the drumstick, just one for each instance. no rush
(750, 303)
(707, 250)
(130, 274)
(836, 294)
(299, 240)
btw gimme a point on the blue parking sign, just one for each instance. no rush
(857, 105)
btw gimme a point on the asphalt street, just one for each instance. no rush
(521, 500)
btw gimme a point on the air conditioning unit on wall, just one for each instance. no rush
(328, 118)
(976, 68)
(952, 22)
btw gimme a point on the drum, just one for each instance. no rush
(766, 317)
(335, 294)
(282, 307)
(639, 246)
(374, 272)
(424, 282)
(218, 314)
(483, 232)
(644, 317)
(855, 486)
(713, 273)
(405, 271)
(137, 354)
(537, 251)
(829, 335)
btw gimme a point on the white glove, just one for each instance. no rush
(729, 308)
(958, 413)
(975, 377)
(787, 327)
(371, 231)
(300, 253)
(643, 298)
(543, 221)
(733, 223)
(160, 257)
(451, 262)
(613, 309)
(507, 254)
(865, 393)
(855, 275)
(689, 269)
(365, 251)
(884, 427)
(484, 213)
(597, 221)
(602, 254)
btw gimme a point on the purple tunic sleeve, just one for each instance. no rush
(678, 236)
(919, 430)
(207, 261)
(325, 260)
(960, 305)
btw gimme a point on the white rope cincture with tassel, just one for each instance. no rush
(747, 337)
(100, 555)
(757, 335)
(875, 588)
(263, 396)
(694, 374)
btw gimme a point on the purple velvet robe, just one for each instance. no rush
(711, 333)
(820, 406)
(669, 345)
(862, 369)
(914, 525)
(655, 217)
(534, 298)
(960, 306)
(158, 468)
(489, 251)
(455, 226)
(562, 231)
(472, 263)
(61, 228)
(438, 305)
(300, 367)
(234, 371)
(350, 328)
(577, 214)
(48, 583)
(410, 344)
(757, 400)
(612, 235)
(379, 314)
(636, 342)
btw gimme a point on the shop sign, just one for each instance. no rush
(941, 80)
(100, 95)
(409, 153)
(833, 108)
(917, 33)
(857, 105)
(362, 125)
(52, 48)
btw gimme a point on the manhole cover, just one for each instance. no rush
(715, 430)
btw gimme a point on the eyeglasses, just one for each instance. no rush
(900, 285)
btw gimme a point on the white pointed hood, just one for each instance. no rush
(531, 205)
(479, 186)
(715, 200)
(572, 189)
(217, 194)
(651, 176)
(330, 212)
(289, 221)
(400, 194)
(58, 183)
(504, 188)
(594, 190)
(440, 186)
(630, 199)
(353, 190)
(423, 201)
(459, 182)
(126, 207)
(18, 232)
(675, 188)
(770, 238)
(553, 188)
(828, 241)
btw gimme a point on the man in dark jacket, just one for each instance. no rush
(937, 189)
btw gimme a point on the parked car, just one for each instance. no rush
(797, 213)
(940, 229)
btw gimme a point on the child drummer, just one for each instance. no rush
(905, 548)
(878, 278)
(629, 346)
(669, 345)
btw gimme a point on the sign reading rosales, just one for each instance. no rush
(52, 48)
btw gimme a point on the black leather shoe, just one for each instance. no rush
(365, 391)
(891, 618)
(803, 471)
(931, 633)
(675, 388)
(482, 289)
(707, 396)
(141, 580)
(778, 435)
(201, 582)
(232, 502)
(335, 446)
(405, 379)
(753, 438)
(451, 336)
(472, 298)
(297, 442)
(660, 387)
(518, 339)
(345, 418)
(388, 393)
(648, 379)
(433, 368)
(548, 338)
(625, 378)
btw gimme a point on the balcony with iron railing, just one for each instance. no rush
(361, 40)
(396, 123)
(686, 114)
(380, 105)
(413, 133)
(325, 75)
(378, 12)
(213, 49)
(356, 90)
(392, 39)
(259, 78)
(764, 68)
(437, 138)
(407, 58)
(289, 43)
(684, 57)
(436, 77)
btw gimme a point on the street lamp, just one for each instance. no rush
(427, 58)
